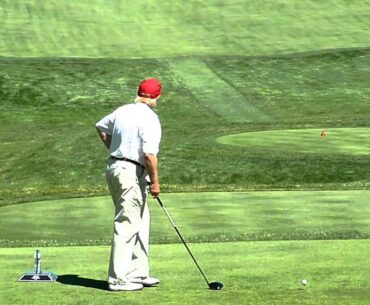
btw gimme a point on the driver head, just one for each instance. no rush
(216, 286)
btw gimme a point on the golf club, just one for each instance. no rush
(212, 285)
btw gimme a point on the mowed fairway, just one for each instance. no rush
(341, 141)
(202, 217)
(266, 242)
(253, 273)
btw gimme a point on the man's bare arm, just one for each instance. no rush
(106, 138)
(151, 165)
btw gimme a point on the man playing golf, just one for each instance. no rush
(132, 134)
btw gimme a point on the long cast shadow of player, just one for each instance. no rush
(76, 280)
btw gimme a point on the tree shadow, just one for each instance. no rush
(76, 280)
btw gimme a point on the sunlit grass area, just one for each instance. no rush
(261, 196)
(152, 29)
(252, 272)
(230, 216)
(342, 141)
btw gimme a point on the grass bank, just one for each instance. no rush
(117, 29)
(230, 217)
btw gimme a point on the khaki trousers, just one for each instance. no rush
(130, 243)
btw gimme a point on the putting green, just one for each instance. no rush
(344, 141)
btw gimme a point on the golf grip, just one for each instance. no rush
(179, 235)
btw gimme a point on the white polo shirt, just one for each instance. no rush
(135, 130)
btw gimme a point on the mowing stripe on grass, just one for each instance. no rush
(201, 217)
(214, 93)
(344, 141)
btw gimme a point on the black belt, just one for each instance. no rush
(127, 160)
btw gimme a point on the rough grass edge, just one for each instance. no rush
(9, 198)
(265, 236)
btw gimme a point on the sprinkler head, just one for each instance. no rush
(215, 285)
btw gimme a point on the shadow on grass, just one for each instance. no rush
(76, 280)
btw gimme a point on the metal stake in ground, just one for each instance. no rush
(212, 285)
(38, 275)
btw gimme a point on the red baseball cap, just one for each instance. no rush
(149, 88)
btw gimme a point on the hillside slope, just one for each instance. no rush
(152, 28)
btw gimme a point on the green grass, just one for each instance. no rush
(321, 88)
(148, 28)
(207, 89)
(227, 68)
(342, 141)
(49, 147)
(252, 272)
(230, 217)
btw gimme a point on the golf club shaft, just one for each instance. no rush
(181, 238)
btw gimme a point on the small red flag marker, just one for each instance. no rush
(323, 134)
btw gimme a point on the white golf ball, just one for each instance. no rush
(304, 282)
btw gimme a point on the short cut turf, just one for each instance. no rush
(331, 141)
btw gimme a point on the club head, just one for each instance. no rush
(216, 286)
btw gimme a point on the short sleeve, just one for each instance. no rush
(106, 124)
